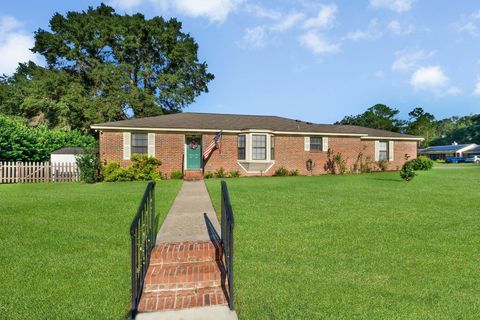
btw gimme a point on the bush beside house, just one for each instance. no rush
(19, 142)
(143, 168)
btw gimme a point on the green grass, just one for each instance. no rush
(65, 248)
(357, 247)
(456, 165)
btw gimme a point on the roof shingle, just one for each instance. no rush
(211, 121)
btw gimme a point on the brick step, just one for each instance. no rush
(192, 175)
(185, 252)
(180, 276)
(182, 299)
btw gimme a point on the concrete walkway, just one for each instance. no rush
(191, 217)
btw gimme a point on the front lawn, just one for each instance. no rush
(365, 247)
(65, 248)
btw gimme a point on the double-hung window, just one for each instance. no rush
(315, 143)
(259, 147)
(272, 148)
(383, 150)
(140, 143)
(241, 147)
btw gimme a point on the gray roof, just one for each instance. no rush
(211, 121)
(75, 150)
(445, 149)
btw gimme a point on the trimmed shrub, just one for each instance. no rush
(121, 174)
(209, 175)
(89, 166)
(109, 168)
(220, 173)
(421, 163)
(177, 175)
(281, 172)
(407, 173)
(143, 167)
(234, 174)
(382, 165)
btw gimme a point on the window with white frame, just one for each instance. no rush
(383, 150)
(272, 148)
(315, 143)
(139, 143)
(259, 147)
(241, 147)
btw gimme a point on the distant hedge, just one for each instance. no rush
(19, 142)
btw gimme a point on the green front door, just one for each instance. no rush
(194, 152)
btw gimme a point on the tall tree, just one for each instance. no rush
(459, 129)
(422, 124)
(378, 116)
(119, 66)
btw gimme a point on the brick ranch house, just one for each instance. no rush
(253, 145)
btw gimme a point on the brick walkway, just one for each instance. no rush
(186, 269)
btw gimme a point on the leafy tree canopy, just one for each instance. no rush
(19, 142)
(421, 123)
(379, 116)
(104, 67)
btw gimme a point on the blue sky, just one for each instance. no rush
(310, 60)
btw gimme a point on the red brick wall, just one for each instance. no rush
(169, 148)
(289, 152)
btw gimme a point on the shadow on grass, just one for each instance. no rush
(387, 179)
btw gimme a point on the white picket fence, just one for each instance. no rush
(27, 172)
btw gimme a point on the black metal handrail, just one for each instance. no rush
(228, 223)
(142, 233)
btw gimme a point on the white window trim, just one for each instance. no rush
(248, 152)
(248, 147)
(253, 171)
(389, 153)
(127, 145)
(307, 144)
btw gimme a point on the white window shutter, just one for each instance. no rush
(391, 151)
(377, 148)
(151, 144)
(307, 143)
(127, 145)
(325, 144)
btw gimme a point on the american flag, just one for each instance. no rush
(213, 144)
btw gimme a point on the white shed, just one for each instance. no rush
(65, 155)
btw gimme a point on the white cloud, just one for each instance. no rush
(370, 33)
(408, 60)
(125, 4)
(400, 30)
(454, 91)
(317, 43)
(476, 91)
(429, 78)
(262, 12)
(324, 19)
(254, 38)
(469, 24)
(288, 21)
(214, 10)
(15, 44)
(394, 5)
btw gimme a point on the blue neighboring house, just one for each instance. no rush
(453, 150)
